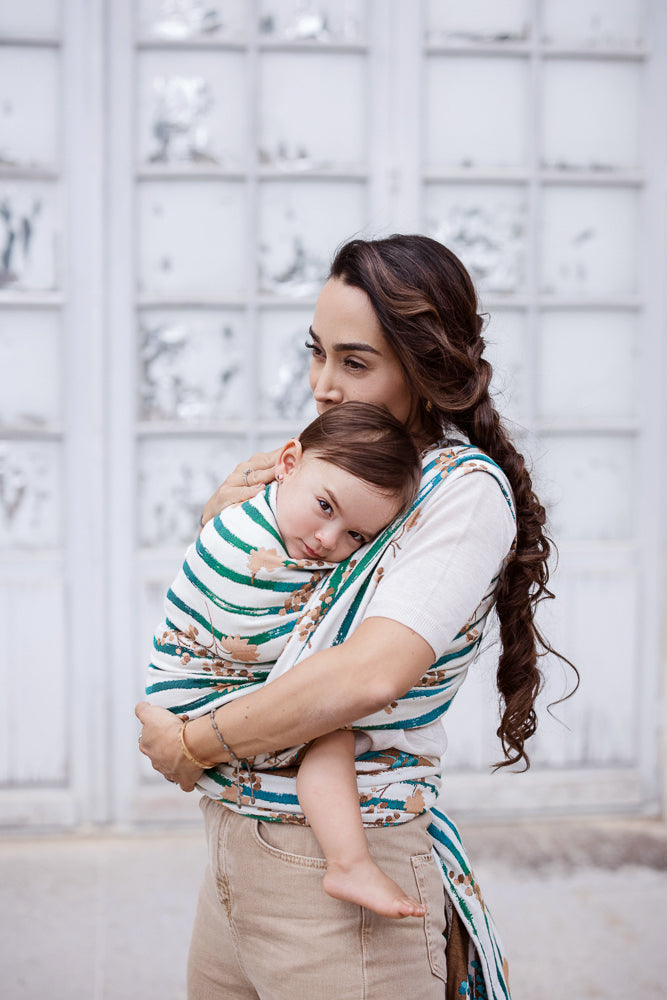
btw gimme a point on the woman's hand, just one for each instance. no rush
(245, 482)
(159, 741)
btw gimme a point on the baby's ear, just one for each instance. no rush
(289, 458)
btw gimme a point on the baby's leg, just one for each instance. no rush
(327, 788)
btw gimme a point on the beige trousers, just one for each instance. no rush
(266, 930)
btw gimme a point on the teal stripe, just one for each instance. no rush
(220, 602)
(256, 640)
(240, 578)
(259, 519)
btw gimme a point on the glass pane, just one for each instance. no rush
(312, 111)
(284, 364)
(505, 338)
(312, 20)
(30, 366)
(176, 478)
(176, 20)
(30, 495)
(39, 19)
(589, 242)
(602, 383)
(191, 108)
(476, 112)
(27, 236)
(599, 133)
(600, 721)
(300, 227)
(192, 240)
(477, 21)
(485, 227)
(192, 366)
(588, 485)
(593, 22)
(29, 91)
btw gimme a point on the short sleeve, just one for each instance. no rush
(447, 562)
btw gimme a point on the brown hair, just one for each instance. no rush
(426, 304)
(368, 442)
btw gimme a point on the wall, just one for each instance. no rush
(174, 178)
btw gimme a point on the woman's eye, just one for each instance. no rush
(354, 365)
(325, 505)
(316, 351)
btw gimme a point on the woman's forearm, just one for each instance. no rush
(327, 691)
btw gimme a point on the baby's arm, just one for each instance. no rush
(327, 789)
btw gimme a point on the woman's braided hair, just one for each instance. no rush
(426, 304)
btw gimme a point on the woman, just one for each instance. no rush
(396, 324)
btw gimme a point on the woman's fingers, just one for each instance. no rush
(159, 742)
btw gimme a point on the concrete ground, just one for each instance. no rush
(582, 908)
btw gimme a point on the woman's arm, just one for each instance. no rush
(377, 664)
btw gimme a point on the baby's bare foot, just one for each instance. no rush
(367, 885)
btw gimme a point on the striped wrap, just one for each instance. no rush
(224, 636)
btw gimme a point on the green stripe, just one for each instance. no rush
(221, 603)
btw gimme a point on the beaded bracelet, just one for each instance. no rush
(237, 764)
(191, 757)
(217, 732)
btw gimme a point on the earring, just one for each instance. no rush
(279, 477)
(428, 406)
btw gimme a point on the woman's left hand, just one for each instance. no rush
(159, 741)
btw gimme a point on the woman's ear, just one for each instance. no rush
(288, 459)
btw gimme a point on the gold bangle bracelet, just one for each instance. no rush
(184, 747)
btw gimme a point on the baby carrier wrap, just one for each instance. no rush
(241, 612)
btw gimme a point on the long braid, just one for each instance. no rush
(427, 306)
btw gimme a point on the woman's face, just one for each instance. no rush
(351, 359)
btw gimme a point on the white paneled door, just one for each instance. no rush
(174, 178)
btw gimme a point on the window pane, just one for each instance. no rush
(589, 242)
(28, 236)
(30, 495)
(485, 227)
(30, 20)
(587, 366)
(192, 18)
(587, 485)
(191, 108)
(593, 22)
(284, 363)
(476, 112)
(323, 21)
(29, 92)
(505, 338)
(192, 366)
(30, 365)
(192, 239)
(598, 133)
(176, 478)
(312, 111)
(300, 227)
(477, 20)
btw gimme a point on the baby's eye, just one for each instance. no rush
(325, 505)
(359, 539)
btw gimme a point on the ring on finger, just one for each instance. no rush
(245, 476)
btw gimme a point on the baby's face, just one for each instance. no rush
(327, 513)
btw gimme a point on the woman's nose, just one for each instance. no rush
(325, 389)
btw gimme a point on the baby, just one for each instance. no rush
(338, 485)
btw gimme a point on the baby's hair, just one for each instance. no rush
(368, 442)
